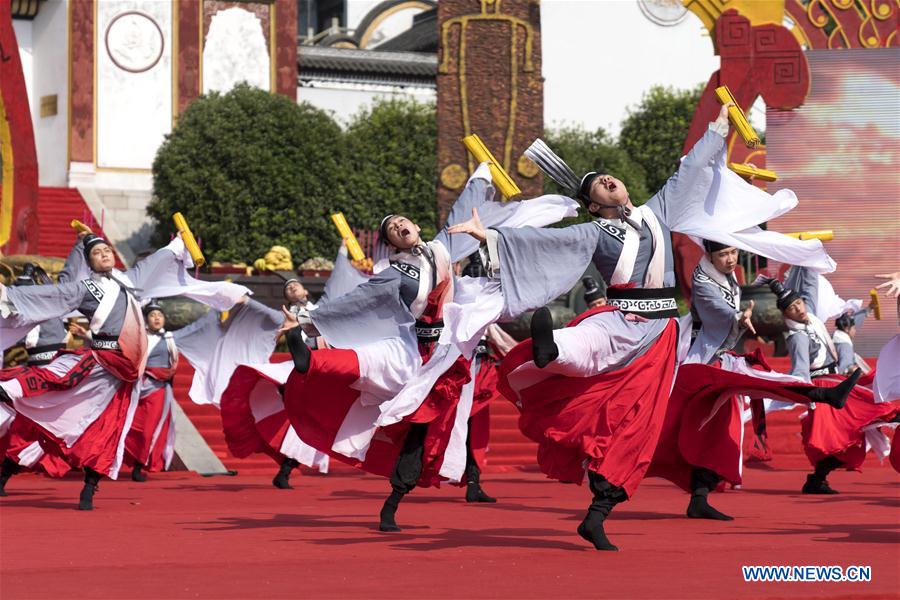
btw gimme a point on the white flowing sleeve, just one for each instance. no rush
(164, 274)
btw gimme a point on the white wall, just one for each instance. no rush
(51, 77)
(134, 109)
(601, 56)
(357, 9)
(344, 100)
(24, 36)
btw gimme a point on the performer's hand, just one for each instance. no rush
(473, 227)
(745, 318)
(290, 321)
(890, 288)
(633, 318)
(722, 119)
(77, 330)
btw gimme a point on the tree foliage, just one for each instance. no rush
(391, 164)
(654, 131)
(250, 170)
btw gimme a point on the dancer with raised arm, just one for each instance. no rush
(85, 400)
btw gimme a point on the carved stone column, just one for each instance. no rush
(489, 82)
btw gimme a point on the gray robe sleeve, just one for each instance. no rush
(806, 283)
(200, 337)
(146, 269)
(692, 179)
(35, 304)
(798, 350)
(538, 265)
(718, 318)
(192, 328)
(269, 318)
(76, 267)
(859, 317)
(371, 312)
(477, 192)
(344, 277)
(846, 358)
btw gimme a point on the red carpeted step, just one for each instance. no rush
(56, 209)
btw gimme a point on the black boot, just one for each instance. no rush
(298, 348)
(9, 468)
(91, 484)
(817, 482)
(474, 493)
(543, 348)
(834, 396)
(606, 496)
(388, 511)
(282, 480)
(703, 481)
(137, 474)
(406, 473)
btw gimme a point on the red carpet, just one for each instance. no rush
(56, 209)
(509, 448)
(183, 536)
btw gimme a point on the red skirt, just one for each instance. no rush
(22, 434)
(97, 447)
(703, 425)
(139, 444)
(895, 450)
(486, 383)
(830, 432)
(244, 434)
(318, 401)
(609, 423)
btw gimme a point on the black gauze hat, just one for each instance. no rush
(27, 276)
(785, 296)
(711, 246)
(844, 322)
(382, 229)
(593, 290)
(151, 306)
(584, 190)
(89, 241)
(475, 268)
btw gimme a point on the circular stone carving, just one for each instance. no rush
(134, 41)
(526, 167)
(453, 177)
(663, 12)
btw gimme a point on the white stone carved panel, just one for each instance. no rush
(134, 81)
(227, 62)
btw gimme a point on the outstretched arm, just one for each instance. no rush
(694, 175)
(806, 283)
(478, 190)
(76, 267)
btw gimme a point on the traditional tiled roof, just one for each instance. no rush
(350, 64)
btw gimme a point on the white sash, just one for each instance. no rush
(841, 337)
(730, 293)
(31, 340)
(442, 263)
(625, 265)
(109, 291)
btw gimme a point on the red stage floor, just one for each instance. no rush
(184, 536)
